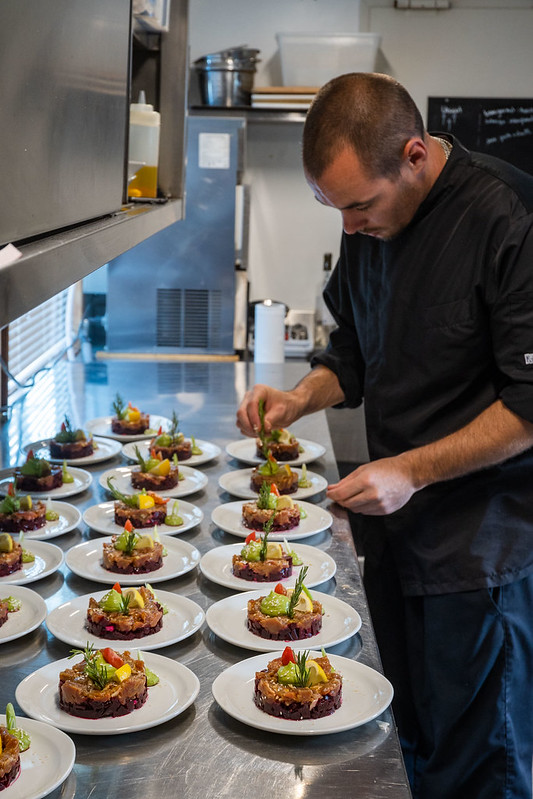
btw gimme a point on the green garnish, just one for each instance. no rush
(13, 604)
(195, 450)
(151, 676)
(10, 504)
(67, 477)
(296, 559)
(298, 588)
(27, 556)
(270, 467)
(174, 519)
(119, 407)
(261, 412)
(264, 494)
(68, 434)
(35, 467)
(94, 670)
(115, 602)
(126, 542)
(142, 463)
(303, 482)
(22, 737)
(302, 673)
(264, 541)
(131, 500)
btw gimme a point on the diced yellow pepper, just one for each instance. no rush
(134, 414)
(146, 501)
(288, 468)
(123, 673)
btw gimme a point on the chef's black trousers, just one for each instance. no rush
(462, 669)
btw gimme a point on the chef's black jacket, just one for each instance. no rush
(433, 326)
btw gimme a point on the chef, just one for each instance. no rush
(433, 300)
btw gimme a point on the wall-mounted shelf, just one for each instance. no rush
(252, 115)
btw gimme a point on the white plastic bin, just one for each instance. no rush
(311, 59)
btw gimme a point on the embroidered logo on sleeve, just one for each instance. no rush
(528, 358)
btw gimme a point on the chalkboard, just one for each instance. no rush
(500, 127)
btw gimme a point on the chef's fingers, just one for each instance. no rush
(248, 420)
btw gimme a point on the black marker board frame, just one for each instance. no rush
(502, 127)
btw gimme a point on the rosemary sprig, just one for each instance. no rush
(130, 543)
(142, 463)
(302, 673)
(264, 541)
(295, 596)
(261, 411)
(119, 407)
(94, 671)
(128, 499)
(264, 494)
(174, 427)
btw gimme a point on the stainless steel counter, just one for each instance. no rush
(203, 752)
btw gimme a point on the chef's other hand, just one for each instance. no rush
(280, 410)
(374, 489)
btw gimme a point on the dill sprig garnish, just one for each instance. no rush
(174, 427)
(119, 407)
(93, 670)
(264, 542)
(142, 463)
(131, 500)
(261, 412)
(302, 672)
(130, 542)
(295, 596)
(264, 494)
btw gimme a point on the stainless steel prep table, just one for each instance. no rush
(203, 752)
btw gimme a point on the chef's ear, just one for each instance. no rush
(415, 153)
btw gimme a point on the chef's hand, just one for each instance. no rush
(280, 410)
(374, 489)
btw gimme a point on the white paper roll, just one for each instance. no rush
(269, 332)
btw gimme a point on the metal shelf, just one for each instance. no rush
(252, 115)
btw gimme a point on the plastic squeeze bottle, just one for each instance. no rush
(143, 154)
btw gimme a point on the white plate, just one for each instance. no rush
(227, 619)
(84, 560)
(184, 618)
(177, 688)
(245, 450)
(237, 483)
(216, 566)
(102, 427)
(194, 481)
(106, 449)
(81, 481)
(209, 451)
(45, 765)
(102, 518)
(28, 618)
(365, 695)
(48, 559)
(69, 519)
(229, 518)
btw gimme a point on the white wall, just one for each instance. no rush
(476, 48)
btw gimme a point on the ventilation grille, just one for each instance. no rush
(188, 318)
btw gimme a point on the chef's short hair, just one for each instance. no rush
(369, 112)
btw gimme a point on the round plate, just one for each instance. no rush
(244, 450)
(237, 483)
(194, 481)
(102, 427)
(227, 619)
(28, 618)
(105, 449)
(84, 560)
(48, 559)
(46, 764)
(228, 517)
(102, 519)
(209, 451)
(69, 518)
(81, 481)
(216, 566)
(184, 618)
(177, 688)
(365, 695)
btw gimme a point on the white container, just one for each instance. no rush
(311, 59)
(269, 332)
(143, 149)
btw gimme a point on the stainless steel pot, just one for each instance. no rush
(226, 78)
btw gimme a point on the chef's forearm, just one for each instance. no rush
(494, 436)
(318, 390)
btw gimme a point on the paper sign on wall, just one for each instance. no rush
(214, 150)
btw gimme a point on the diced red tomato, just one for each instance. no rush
(11, 489)
(274, 489)
(159, 432)
(30, 455)
(117, 588)
(288, 656)
(280, 589)
(128, 526)
(63, 426)
(250, 538)
(112, 657)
